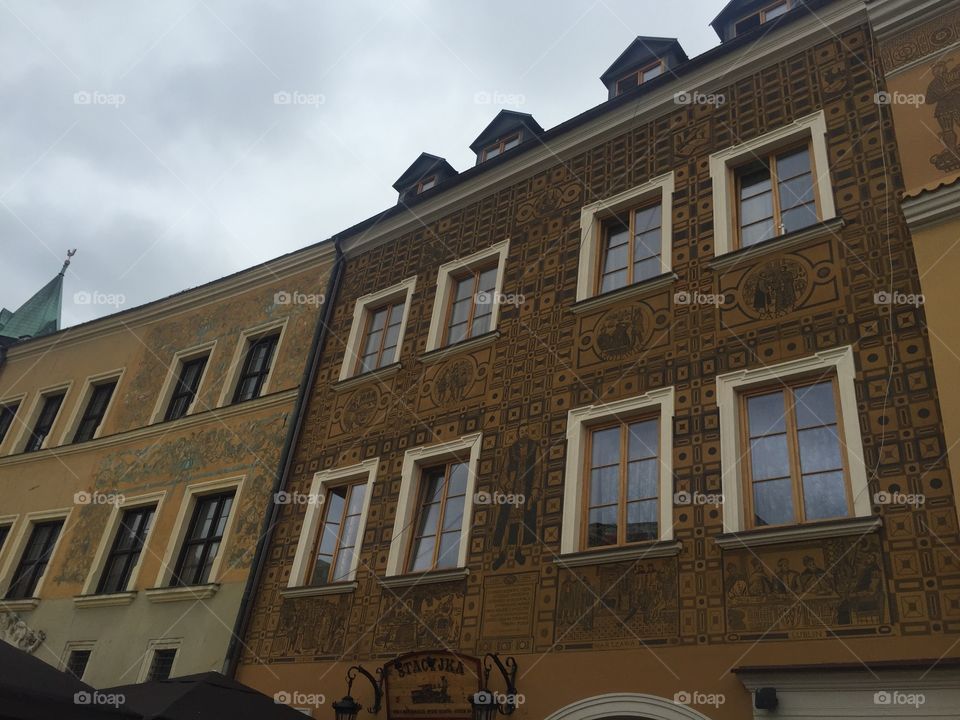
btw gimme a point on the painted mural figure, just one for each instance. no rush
(944, 92)
(517, 522)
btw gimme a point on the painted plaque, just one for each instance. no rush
(431, 684)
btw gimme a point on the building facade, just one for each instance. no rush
(624, 402)
(138, 453)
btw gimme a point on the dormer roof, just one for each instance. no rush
(421, 168)
(505, 123)
(724, 24)
(643, 51)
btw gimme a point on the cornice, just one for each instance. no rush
(892, 17)
(932, 207)
(109, 600)
(178, 594)
(796, 533)
(342, 588)
(650, 550)
(796, 239)
(424, 578)
(630, 292)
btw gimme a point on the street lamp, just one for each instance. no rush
(348, 708)
(486, 704)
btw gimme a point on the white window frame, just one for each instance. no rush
(177, 536)
(580, 422)
(77, 645)
(13, 433)
(445, 280)
(313, 520)
(7, 521)
(17, 543)
(173, 374)
(730, 385)
(110, 533)
(591, 232)
(414, 460)
(161, 644)
(247, 337)
(723, 165)
(361, 309)
(80, 407)
(33, 414)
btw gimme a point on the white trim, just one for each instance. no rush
(17, 543)
(33, 414)
(445, 285)
(579, 422)
(181, 593)
(626, 705)
(152, 647)
(361, 307)
(77, 645)
(173, 374)
(413, 460)
(12, 431)
(79, 408)
(248, 336)
(322, 482)
(176, 537)
(592, 214)
(109, 533)
(7, 521)
(722, 165)
(841, 360)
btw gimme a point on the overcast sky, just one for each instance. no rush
(146, 134)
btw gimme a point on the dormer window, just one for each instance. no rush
(501, 146)
(426, 183)
(766, 14)
(638, 77)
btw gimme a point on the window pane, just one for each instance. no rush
(753, 234)
(768, 457)
(797, 191)
(617, 257)
(647, 269)
(819, 450)
(613, 281)
(460, 312)
(653, 72)
(643, 439)
(773, 502)
(624, 84)
(344, 561)
(815, 405)
(793, 163)
(449, 549)
(190, 565)
(606, 447)
(348, 537)
(798, 218)
(492, 151)
(642, 478)
(647, 219)
(766, 414)
(511, 142)
(756, 209)
(453, 514)
(328, 538)
(423, 554)
(378, 320)
(321, 570)
(754, 180)
(488, 280)
(824, 496)
(647, 245)
(457, 333)
(481, 325)
(641, 521)
(458, 479)
(429, 517)
(605, 485)
(357, 494)
(602, 527)
(775, 11)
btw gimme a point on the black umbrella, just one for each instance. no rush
(30, 689)
(200, 697)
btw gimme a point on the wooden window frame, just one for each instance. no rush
(638, 73)
(604, 234)
(91, 419)
(762, 12)
(456, 278)
(311, 571)
(131, 557)
(418, 509)
(191, 392)
(261, 374)
(624, 425)
(206, 541)
(32, 445)
(501, 143)
(423, 182)
(38, 568)
(769, 159)
(793, 449)
(390, 306)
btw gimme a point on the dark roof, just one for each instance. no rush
(422, 167)
(504, 123)
(734, 9)
(641, 51)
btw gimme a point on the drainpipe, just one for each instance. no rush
(286, 461)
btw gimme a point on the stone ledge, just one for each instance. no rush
(177, 594)
(424, 578)
(796, 533)
(656, 549)
(318, 590)
(640, 289)
(777, 244)
(104, 599)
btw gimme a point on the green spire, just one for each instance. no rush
(40, 315)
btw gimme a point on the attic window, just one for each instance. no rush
(763, 15)
(426, 183)
(638, 77)
(501, 146)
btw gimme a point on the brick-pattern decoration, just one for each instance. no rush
(517, 390)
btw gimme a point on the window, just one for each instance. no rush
(4, 532)
(33, 563)
(439, 518)
(632, 247)
(471, 305)
(622, 484)
(776, 196)
(765, 15)
(48, 413)
(638, 77)
(96, 409)
(381, 337)
(426, 183)
(256, 367)
(7, 414)
(501, 146)
(337, 544)
(203, 538)
(77, 663)
(185, 391)
(795, 470)
(126, 549)
(161, 664)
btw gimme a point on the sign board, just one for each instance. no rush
(431, 685)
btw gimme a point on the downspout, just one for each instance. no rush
(286, 461)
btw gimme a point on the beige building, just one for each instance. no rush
(138, 453)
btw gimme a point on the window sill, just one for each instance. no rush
(654, 549)
(379, 374)
(424, 578)
(658, 282)
(340, 588)
(793, 533)
(21, 605)
(776, 244)
(104, 600)
(176, 594)
(462, 346)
